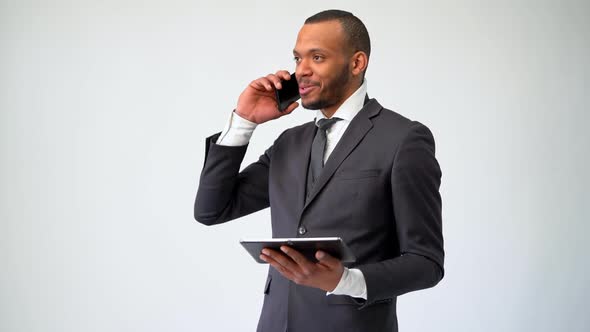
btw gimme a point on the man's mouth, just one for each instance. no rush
(305, 89)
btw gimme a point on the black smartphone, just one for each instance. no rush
(288, 94)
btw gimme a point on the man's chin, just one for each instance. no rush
(312, 104)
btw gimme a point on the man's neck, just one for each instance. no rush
(352, 99)
(330, 110)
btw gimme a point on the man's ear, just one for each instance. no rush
(359, 63)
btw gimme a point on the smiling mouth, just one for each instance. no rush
(306, 89)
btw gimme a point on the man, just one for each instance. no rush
(359, 171)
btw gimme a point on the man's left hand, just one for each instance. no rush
(325, 274)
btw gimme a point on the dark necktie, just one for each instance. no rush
(318, 147)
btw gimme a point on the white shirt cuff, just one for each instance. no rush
(352, 283)
(237, 131)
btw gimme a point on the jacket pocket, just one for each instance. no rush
(344, 299)
(360, 174)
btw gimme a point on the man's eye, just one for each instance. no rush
(296, 58)
(317, 57)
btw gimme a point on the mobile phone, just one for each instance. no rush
(288, 93)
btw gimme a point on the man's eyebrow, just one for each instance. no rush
(312, 50)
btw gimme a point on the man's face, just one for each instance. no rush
(322, 65)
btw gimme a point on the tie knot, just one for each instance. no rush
(324, 124)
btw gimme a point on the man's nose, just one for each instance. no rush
(302, 69)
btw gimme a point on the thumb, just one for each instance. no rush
(291, 108)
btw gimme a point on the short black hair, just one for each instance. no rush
(354, 29)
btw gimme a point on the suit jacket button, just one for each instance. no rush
(302, 230)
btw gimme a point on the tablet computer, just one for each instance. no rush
(306, 246)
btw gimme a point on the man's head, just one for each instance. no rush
(331, 54)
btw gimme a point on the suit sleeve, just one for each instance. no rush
(224, 193)
(416, 201)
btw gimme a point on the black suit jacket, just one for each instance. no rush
(379, 191)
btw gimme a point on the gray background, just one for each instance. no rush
(105, 106)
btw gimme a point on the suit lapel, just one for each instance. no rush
(302, 152)
(357, 129)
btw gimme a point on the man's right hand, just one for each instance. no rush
(258, 104)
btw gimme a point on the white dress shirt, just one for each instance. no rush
(238, 131)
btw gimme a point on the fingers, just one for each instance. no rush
(270, 259)
(294, 266)
(283, 75)
(271, 81)
(327, 260)
(262, 84)
(283, 260)
(304, 264)
(291, 262)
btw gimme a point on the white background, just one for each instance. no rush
(104, 110)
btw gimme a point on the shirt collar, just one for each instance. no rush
(351, 106)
